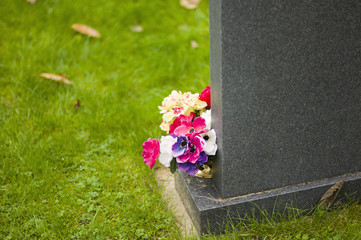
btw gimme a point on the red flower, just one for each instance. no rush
(151, 151)
(206, 96)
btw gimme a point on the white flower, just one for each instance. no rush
(189, 99)
(168, 117)
(166, 153)
(200, 105)
(164, 126)
(210, 148)
(207, 116)
(170, 101)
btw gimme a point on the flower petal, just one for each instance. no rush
(210, 149)
(181, 146)
(183, 158)
(192, 170)
(199, 124)
(203, 158)
(150, 151)
(207, 116)
(183, 166)
(168, 117)
(165, 159)
(166, 143)
(182, 130)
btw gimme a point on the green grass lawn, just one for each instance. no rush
(67, 174)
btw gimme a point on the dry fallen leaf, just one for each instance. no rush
(77, 105)
(31, 1)
(136, 28)
(56, 78)
(86, 30)
(194, 44)
(330, 195)
(189, 4)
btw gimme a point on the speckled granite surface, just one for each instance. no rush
(210, 212)
(286, 91)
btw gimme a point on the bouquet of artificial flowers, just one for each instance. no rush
(190, 141)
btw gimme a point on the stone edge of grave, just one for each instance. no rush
(209, 212)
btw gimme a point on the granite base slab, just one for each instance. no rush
(210, 213)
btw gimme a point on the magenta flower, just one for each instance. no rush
(181, 120)
(188, 127)
(150, 151)
(196, 146)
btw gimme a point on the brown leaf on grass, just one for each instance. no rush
(77, 105)
(136, 28)
(189, 4)
(56, 77)
(194, 44)
(330, 195)
(31, 1)
(86, 30)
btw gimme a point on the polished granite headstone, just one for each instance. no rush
(286, 105)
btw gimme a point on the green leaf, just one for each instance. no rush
(173, 166)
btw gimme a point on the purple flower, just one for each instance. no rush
(181, 146)
(203, 158)
(192, 168)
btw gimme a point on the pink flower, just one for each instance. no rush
(195, 148)
(181, 120)
(150, 151)
(185, 126)
(206, 96)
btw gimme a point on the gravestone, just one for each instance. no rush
(286, 106)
